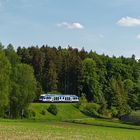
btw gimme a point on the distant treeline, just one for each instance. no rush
(113, 83)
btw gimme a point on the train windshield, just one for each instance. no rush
(41, 97)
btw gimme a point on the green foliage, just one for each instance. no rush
(82, 99)
(90, 109)
(23, 89)
(91, 84)
(114, 111)
(133, 117)
(103, 108)
(119, 97)
(52, 109)
(5, 69)
(29, 113)
(108, 81)
(38, 92)
(54, 92)
(51, 77)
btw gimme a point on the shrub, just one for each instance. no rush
(114, 111)
(133, 117)
(82, 99)
(29, 113)
(91, 109)
(52, 109)
(43, 112)
(103, 108)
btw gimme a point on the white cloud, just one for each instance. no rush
(138, 36)
(74, 25)
(129, 21)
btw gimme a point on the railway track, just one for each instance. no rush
(55, 103)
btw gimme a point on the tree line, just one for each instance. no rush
(111, 82)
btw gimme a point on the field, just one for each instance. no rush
(51, 130)
(68, 124)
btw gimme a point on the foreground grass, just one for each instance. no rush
(50, 130)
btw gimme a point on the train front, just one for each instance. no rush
(42, 98)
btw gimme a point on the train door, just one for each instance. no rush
(52, 99)
(71, 99)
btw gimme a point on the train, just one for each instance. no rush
(55, 98)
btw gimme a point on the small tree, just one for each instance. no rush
(23, 89)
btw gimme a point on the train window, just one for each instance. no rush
(63, 98)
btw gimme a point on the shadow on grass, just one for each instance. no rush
(105, 125)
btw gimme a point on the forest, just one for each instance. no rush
(113, 83)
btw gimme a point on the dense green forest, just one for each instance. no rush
(113, 83)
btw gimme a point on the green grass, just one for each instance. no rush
(65, 112)
(68, 124)
(106, 123)
(52, 130)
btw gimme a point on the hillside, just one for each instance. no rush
(65, 112)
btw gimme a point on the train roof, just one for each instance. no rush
(51, 95)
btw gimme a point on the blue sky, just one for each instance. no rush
(105, 26)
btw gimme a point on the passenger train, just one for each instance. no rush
(55, 98)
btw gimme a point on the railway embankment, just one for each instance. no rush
(39, 111)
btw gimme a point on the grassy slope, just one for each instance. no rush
(65, 112)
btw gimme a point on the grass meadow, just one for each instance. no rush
(53, 130)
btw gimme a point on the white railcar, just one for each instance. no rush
(58, 98)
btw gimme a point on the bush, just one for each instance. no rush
(52, 109)
(114, 111)
(43, 112)
(91, 109)
(82, 99)
(29, 113)
(133, 117)
(103, 109)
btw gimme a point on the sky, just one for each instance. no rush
(111, 27)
